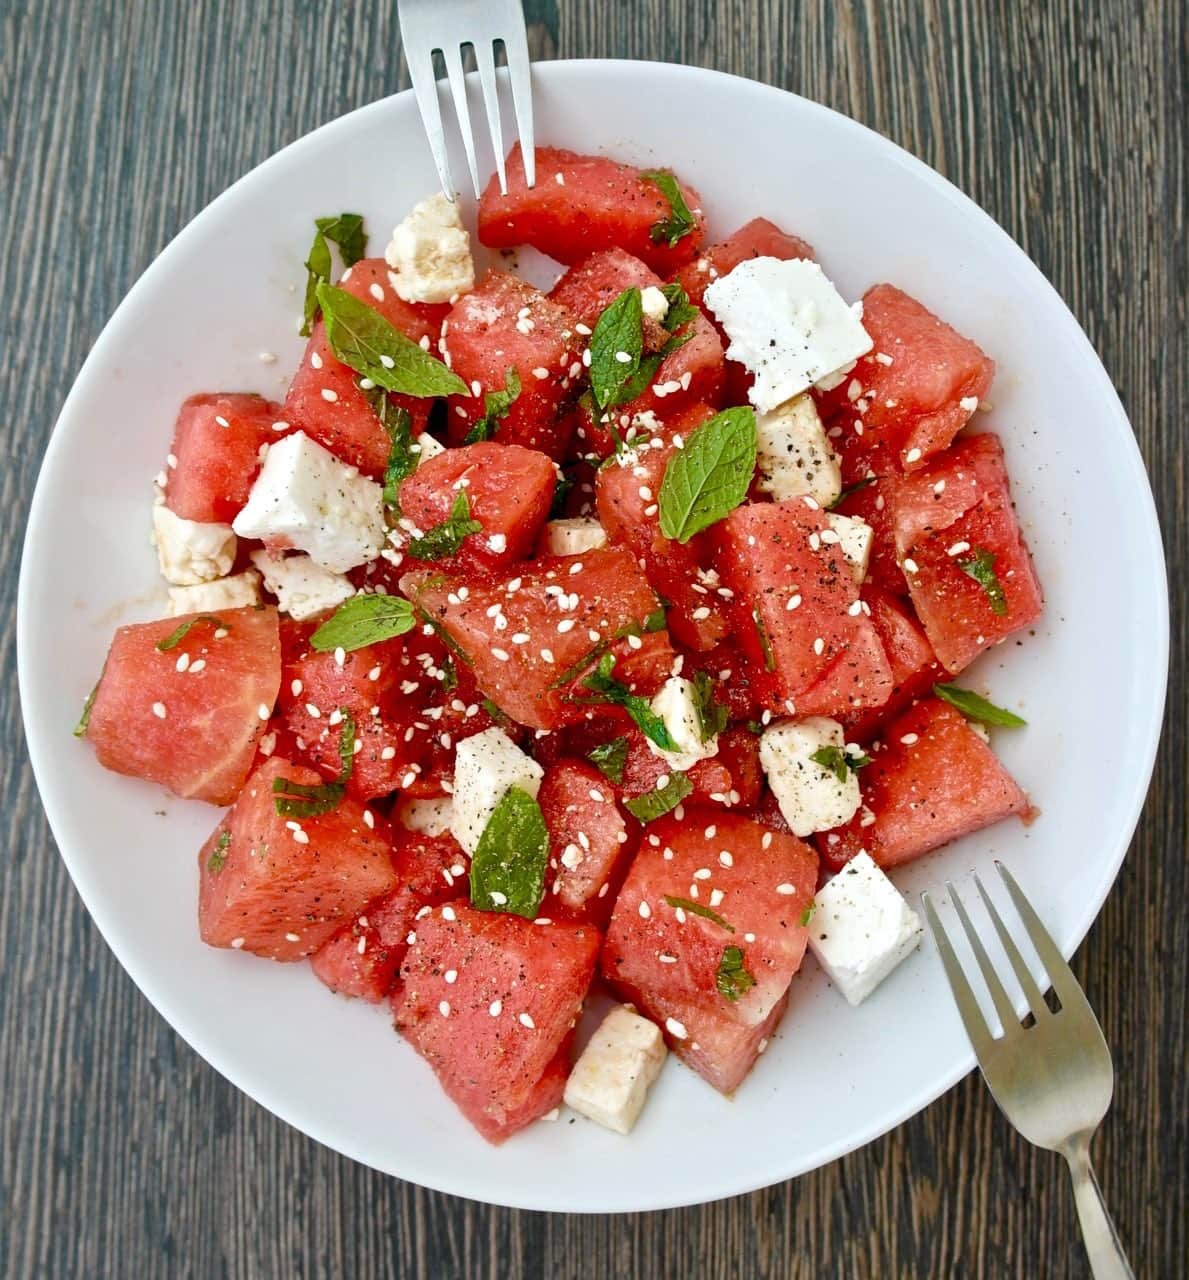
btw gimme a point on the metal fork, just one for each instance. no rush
(448, 26)
(1053, 1079)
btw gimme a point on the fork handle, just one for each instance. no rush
(1107, 1259)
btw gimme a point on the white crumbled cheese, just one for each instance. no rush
(306, 499)
(236, 592)
(809, 794)
(855, 537)
(431, 817)
(430, 253)
(610, 1081)
(191, 553)
(427, 447)
(677, 706)
(486, 766)
(303, 588)
(793, 455)
(861, 928)
(654, 302)
(787, 324)
(574, 535)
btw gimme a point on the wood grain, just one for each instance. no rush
(122, 1154)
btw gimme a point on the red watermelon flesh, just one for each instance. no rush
(870, 502)
(188, 718)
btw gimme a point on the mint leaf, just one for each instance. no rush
(362, 339)
(732, 978)
(495, 408)
(838, 762)
(681, 310)
(655, 804)
(975, 707)
(981, 567)
(616, 346)
(807, 915)
(508, 869)
(850, 488)
(364, 620)
(680, 221)
(561, 491)
(710, 476)
(347, 232)
(175, 638)
(696, 909)
(218, 859)
(446, 538)
(765, 643)
(403, 453)
(609, 759)
(712, 714)
(303, 800)
(602, 683)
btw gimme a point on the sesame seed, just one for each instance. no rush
(312, 711)
(221, 420)
(315, 360)
(716, 897)
(300, 836)
(794, 602)
(540, 373)
(296, 688)
(328, 394)
(913, 455)
(264, 711)
(369, 819)
(500, 899)
(444, 1008)
(237, 943)
(159, 710)
(726, 859)
(525, 1020)
(645, 910)
(501, 655)
(182, 663)
(968, 404)
(701, 613)
(786, 890)
(910, 566)
(958, 548)
(939, 488)
(450, 976)
(292, 937)
(623, 357)
(910, 739)
(702, 873)
(666, 958)
(819, 646)
(448, 913)
(675, 1029)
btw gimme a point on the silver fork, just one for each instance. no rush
(1053, 1079)
(448, 26)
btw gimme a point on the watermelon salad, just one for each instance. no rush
(608, 638)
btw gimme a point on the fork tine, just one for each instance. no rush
(425, 87)
(1067, 987)
(968, 1007)
(485, 58)
(516, 51)
(458, 87)
(1003, 1006)
(1023, 974)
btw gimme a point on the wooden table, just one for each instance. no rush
(123, 1154)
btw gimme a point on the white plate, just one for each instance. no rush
(1091, 680)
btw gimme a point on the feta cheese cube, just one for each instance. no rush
(427, 447)
(431, 817)
(677, 705)
(611, 1079)
(486, 766)
(793, 455)
(191, 553)
(654, 302)
(787, 324)
(574, 535)
(809, 794)
(306, 499)
(430, 253)
(236, 592)
(861, 928)
(302, 587)
(855, 537)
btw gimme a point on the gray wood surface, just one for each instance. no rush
(122, 1153)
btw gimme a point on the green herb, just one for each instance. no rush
(495, 408)
(765, 643)
(609, 759)
(496, 712)
(561, 491)
(364, 620)
(446, 538)
(732, 978)
(852, 488)
(981, 567)
(218, 859)
(712, 714)
(404, 452)
(838, 762)
(508, 869)
(754, 726)
(369, 344)
(616, 346)
(449, 675)
(302, 800)
(80, 729)
(681, 310)
(347, 232)
(710, 476)
(680, 221)
(807, 915)
(602, 683)
(975, 707)
(656, 620)
(176, 637)
(696, 908)
(655, 804)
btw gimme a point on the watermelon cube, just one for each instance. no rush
(932, 780)
(488, 1000)
(281, 887)
(188, 716)
(583, 204)
(758, 238)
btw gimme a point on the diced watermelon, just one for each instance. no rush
(582, 204)
(189, 717)
(869, 502)
(503, 324)
(669, 959)
(591, 840)
(758, 238)
(342, 419)
(362, 959)
(215, 454)
(529, 653)
(742, 684)
(908, 398)
(797, 609)
(958, 512)
(488, 1000)
(280, 887)
(509, 489)
(933, 780)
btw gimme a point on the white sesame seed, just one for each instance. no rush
(182, 663)
(819, 646)
(702, 873)
(292, 937)
(369, 819)
(726, 859)
(645, 910)
(913, 455)
(237, 943)
(958, 548)
(222, 421)
(525, 1020)
(501, 655)
(444, 1008)
(623, 357)
(329, 395)
(264, 711)
(786, 890)
(312, 711)
(675, 1029)
(495, 1008)
(315, 360)
(540, 373)
(910, 739)
(910, 566)
(159, 710)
